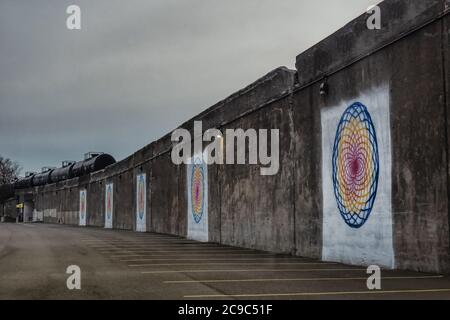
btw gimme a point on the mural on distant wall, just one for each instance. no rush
(355, 165)
(197, 185)
(109, 206)
(356, 174)
(197, 192)
(141, 203)
(83, 209)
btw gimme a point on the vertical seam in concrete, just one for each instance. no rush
(444, 82)
(316, 124)
(150, 205)
(294, 170)
(178, 211)
(220, 203)
(182, 206)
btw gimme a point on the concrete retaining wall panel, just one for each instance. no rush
(124, 216)
(166, 214)
(306, 166)
(420, 195)
(286, 213)
(257, 211)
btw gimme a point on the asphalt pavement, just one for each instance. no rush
(117, 264)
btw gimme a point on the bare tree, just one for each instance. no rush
(9, 170)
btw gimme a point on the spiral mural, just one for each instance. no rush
(109, 202)
(141, 196)
(82, 213)
(82, 204)
(197, 199)
(141, 203)
(355, 165)
(197, 192)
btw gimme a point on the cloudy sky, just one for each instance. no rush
(138, 68)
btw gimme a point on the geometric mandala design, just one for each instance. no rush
(109, 202)
(141, 196)
(82, 204)
(197, 192)
(355, 165)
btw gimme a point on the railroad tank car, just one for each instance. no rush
(25, 182)
(6, 191)
(63, 173)
(42, 178)
(93, 164)
(96, 162)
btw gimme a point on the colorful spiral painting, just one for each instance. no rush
(109, 202)
(355, 165)
(197, 192)
(141, 196)
(82, 204)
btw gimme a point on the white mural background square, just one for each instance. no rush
(141, 203)
(372, 243)
(197, 174)
(109, 205)
(83, 209)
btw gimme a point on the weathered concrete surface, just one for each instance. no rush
(284, 213)
(96, 200)
(166, 217)
(413, 69)
(34, 259)
(355, 40)
(8, 210)
(420, 194)
(308, 184)
(257, 211)
(124, 210)
(446, 77)
(419, 203)
(270, 87)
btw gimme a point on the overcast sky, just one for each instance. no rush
(138, 68)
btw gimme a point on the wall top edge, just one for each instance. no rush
(355, 40)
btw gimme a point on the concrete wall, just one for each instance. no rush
(8, 211)
(410, 63)
(258, 211)
(290, 212)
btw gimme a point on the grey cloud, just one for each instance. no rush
(138, 68)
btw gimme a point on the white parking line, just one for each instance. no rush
(169, 246)
(141, 241)
(209, 259)
(199, 254)
(330, 293)
(189, 249)
(152, 240)
(107, 243)
(142, 247)
(165, 244)
(134, 236)
(115, 239)
(164, 249)
(297, 279)
(246, 270)
(231, 263)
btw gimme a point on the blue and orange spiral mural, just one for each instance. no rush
(355, 165)
(82, 204)
(109, 202)
(141, 196)
(197, 192)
